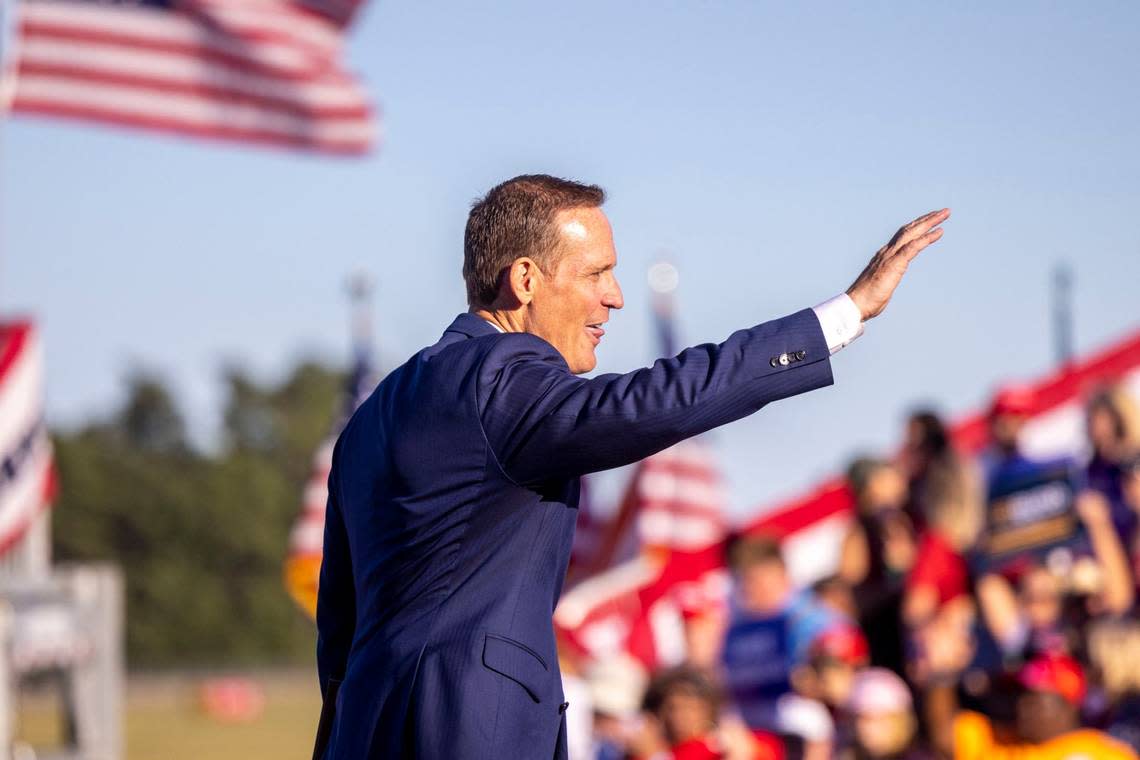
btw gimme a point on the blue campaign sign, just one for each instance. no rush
(1030, 510)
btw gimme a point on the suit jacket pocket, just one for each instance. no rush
(517, 662)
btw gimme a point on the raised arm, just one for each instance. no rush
(544, 423)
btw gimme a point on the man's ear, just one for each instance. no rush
(523, 278)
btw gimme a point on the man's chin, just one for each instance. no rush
(584, 363)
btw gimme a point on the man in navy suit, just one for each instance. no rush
(454, 488)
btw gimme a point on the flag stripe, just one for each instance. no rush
(335, 102)
(188, 114)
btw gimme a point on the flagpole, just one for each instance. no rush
(1063, 313)
(663, 281)
(359, 288)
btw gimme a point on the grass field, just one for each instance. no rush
(164, 720)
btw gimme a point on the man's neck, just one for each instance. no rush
(507, 320)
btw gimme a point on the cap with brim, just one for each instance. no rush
(1057, 674)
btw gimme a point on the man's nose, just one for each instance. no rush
(613, 298)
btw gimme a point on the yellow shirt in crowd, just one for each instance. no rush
(974, 740)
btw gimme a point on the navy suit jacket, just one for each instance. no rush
(452, 501)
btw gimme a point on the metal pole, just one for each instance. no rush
(1063, 313)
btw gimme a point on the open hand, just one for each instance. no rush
(873, 288)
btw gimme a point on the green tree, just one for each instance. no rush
(200, 537)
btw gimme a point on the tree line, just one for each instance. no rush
(200, 536)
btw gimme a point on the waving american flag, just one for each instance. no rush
(266, 71)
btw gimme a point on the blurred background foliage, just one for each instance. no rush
(201, 536)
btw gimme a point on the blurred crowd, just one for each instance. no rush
(983, 607)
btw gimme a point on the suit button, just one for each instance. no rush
(784, 360)
(800, 355)
(775, 361)
(562, 707)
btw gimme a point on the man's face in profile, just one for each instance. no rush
(575, 298)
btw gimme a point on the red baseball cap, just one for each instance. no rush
(842, 642)
(1014, 399)
(1056, 673)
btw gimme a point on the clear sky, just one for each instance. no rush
(769, 148)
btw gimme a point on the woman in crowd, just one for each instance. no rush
(926, 444)
(1130, 493)
(1113, 425)
(952, 501)
(878, 552)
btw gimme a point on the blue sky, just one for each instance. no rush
(769, 148)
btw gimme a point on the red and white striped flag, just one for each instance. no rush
(266, 71)
(673, 513)
(26, 472)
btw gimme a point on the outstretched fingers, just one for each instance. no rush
(912, 249)
(919, 227)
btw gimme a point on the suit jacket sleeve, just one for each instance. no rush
(544, 423)
(336, 594)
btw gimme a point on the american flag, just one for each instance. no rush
(26, 472)
(266, 71)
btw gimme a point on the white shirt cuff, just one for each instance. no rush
(841, 320)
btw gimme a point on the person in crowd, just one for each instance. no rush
(926, 443)
(770, 627)
(1034, 619)
(880, 542)
(1130, 494)
(834, 660)
(1008, 413)
(1114, 653)
(1047, 725)
(681, 709)
(884, 722)
(808, 723)
(953, 509)
(617, 685)
(835, 594)
(877, 553)
(1113, 424)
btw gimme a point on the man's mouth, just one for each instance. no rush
(596, 332)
